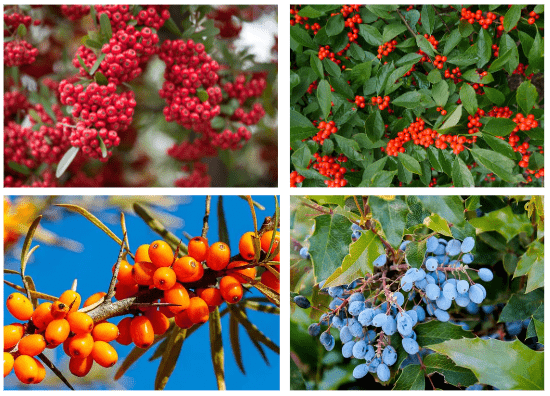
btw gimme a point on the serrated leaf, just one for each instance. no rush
(531, 264)
(170, 356)
(526, 96)
(335, 25)
(172, 27)
(500, 146)
(392, 30)
(522, 306)
(494, 95)
(415, 253)
(324, 96)
(450, 208)
(454, 375)
(501, 61)
(496, 163)
(469, 98)
(435, 332)
(520, 370)
(511, 17)
(302, 37)
(499, 126)
(425, 45)
(438, 224)
(358, 262)
(392, 216)
(504, 221)
(452, 119)
(370, 34)
(461, 174)
(428, 18)
(539, 327)
(411, 378)
(332, 68)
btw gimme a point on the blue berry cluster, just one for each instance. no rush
(365, 325)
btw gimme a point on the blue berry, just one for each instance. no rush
(390, 326)
(462, 286)
(413, 315)
(379, 320)
(431, 244)
(326, 338)
(440, 249)
(514, 328)
(314, 329)
(366, 316)
(302, 302)
(449, 291)
(355, 328)
(442, 316)
(433, 291)
(355, 236)
(485, 274)
(389, 356)
(406, 286)
(403, 245)
(431, 264)
(336, 291)
(355, 227)
(467, 245)
(373, 365)
(453, 247)
(370, 336)
(304, 253)
(383, 372)
(421, 284)
(325, 318)
(380, 261)
(360, 349)
(347, 349)
(476, 294)
(462, 300)
(420, 313)
(370, 354)
(345, 335)
(488, 309)
(472, 307)
(399, 298)
(356, 307)
(360, 371)
(410, 346)
(468, 259)
(475, 387)
(335, 303)
(337, 322)
(404, 324)
(356, 297)
(443, 303)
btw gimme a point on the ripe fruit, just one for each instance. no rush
(19, 306)
(124, 291)
(198, 248)
(159, 321)
(81, 345)
(104, 354)
(218, 256)
(142, 254)
(164, 278)
(211, 296)
(177, 295)
(125, 275)
(186, 267)
(266, 241)
(236, 273)
(81, 366)
(8, 363)
(183, 321)
(57, 331)
(161, 254)
(80, 322)
(94, 298)
(59, 310)
(271, 281)
(27, 369)
(12, 335)
(32, 345)
(246, 246)
(231, 289)
(42, 315)
(142, 332)
(124, 336)
(198, 310)
(71, 299)
(105, 332)
(143, 272)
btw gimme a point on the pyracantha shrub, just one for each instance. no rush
(429, 95)
(155, 92)
(414, 293)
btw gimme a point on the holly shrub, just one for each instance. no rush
(138, 95)
(427, 95)
(417, 292)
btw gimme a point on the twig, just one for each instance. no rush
(36, 294)
(111, 292)
(442, 20)
(123, 225)
(206, 215)
(123, 307)
(56, 371)
(411, 31)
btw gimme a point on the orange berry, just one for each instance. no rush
(104, 354)
(27, 369)
(125, 291)
(105, 332)
(198, 310)
(32, 345)
(8, 363)
(161, 254)
(71, 299)
(231, 289)
(124, 275)
(198, 248)
(177, 295)
(218, 256)
(271, 281)
(248, 272)
(186, 267)
(124, 336)
(42, 315)
(59, 310)
(41, 373)
(164, 278)
(159, 321)
(266, 241)
(12, 335)
(141, 330)
(81, 345)
(57, 331)
(143, 272)
(80, 322)
(19, 306)
(211, 296)
(142, 254)
(182, 320)
(94, 298)
(81, 366)
(246, 246)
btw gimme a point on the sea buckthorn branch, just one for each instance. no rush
(206, 215)
(111, 291)
(55, 370)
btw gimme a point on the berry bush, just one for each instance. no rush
(158, 296)
(418, 96)
(414, 293)
(139, 95)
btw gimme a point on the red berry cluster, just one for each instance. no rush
(15, 103)
(75, 12)
(229, 140)
(433, 42)
(243, 90)
(250, 118)
(533, 16)
(350, 23)
(455, 74)
(484, 20)
(295, 178)
(494, 47)
(328, 166)
(223, 18)
(324, 52)
(119, 15)
(521, 70)
(198, 176)
(360, 101)
(346, 10)
(439, 61)
(192, 151)
(386, 48)
(49, 143)
(326, 129)
(500, 112)
(12, 22)
(19, 53)
(442, 110)
(153, 16)
(88, 140)
(382, 102)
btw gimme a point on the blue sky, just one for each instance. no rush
(54, 269)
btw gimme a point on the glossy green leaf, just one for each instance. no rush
(484, 51)
(301, 157)
(410, 163)
(499, 126)
(522, 306)
(450, 207)
(335, 25)
(342, 87)
(500, 146)
(465, 28)
(440, 93)
(412, 99)
(370, 34)
(428, 18)
(411, 378)
(496, 163)
(324, 96)
(425, 45)
(438, 224)
(391, 213)
(361, 73)
(332, 68)
(512, 16)
(469, 98)
(461, 174)
(526, 96)
(454, 374)
(453, 118)
(504, 221)
(415, 252)
(302, 37)
(435, 332)
(494, 95)
(392, 30)
(66, 160)
(316, 65)
(502, 60)
(452, 41)
(531, 264)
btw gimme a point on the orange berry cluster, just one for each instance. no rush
(494, 47)
(455, 74)
(433, 42)
(328, 166)
(484, 20)
(360, 101)
(386, 48)
(297, 18)
(295, 178)
(382, 102)
(325, 130)
(324, 52)
(348, 9)
(532, 17)
(350, 23)
(442, 110)
(439, 61)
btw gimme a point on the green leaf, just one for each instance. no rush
(302, 37)
(484, 51)
(349, 147)
(412, 99)
(504, 221)
(539, 326)
(466, 58)
(496, 163)
(81, 61)
(294, 80)
(425, 45)
(434, 76)
(499, 126)
(316, 65)
(100, 77)
(65, 161)
(455, 375)
(428, 18)
(358, 262)
(202, 94)
(520, 370)
(394, 76)
(468, 98)
(172, 27)
(391, 213)
(473, 76)
(415, 252)
(522, 306)
(19, 168)
(105, 24)
(526, 96)
(342, 87)
(332, 68)
(216, 347)
(392, 30)
(339, 200)
(526, 42)
(411, 378)
(296, 379)
(103, 147)
(21, 30)
(301, 157)
(436, 332)
(361, 73)
(536, 59)
(494, 95)
(450, 208)
(223, 234)
(324, 96)
(310, 12)
(531, 264)
(452, 119)
(381, 179)
(438, 224)
(500, 146)
(329, 244)
(170, 356)
(461, 174)
(410, 163)
(452, 41)
(374, 126)
(97, 64)
(440, 93)
(335, 25)
(512, 17)
(370, 34)
(501, 62)
(235, 343)
(465, 28)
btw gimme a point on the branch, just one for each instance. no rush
(206, 215)
(123, 307)
(56, 371)
(411, 31)
(111, 291)
(442, 20)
